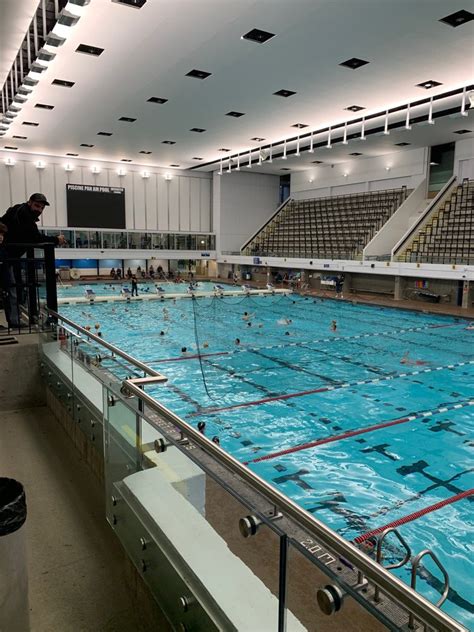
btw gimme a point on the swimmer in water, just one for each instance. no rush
(284, 321)
(409, 362)
(248, 316)
(333, 325)
(237, 341)
(205, 345)
(470, 326)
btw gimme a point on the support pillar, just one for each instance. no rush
(347, 285)
(398, 289)
(466, 294)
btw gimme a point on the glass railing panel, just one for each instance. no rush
(159, 241)
(189, 521)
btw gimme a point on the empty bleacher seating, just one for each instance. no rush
(326, 228)
(448, 235)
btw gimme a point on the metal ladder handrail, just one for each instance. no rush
(378, 556)
(416, 562)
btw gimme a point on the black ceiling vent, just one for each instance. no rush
(9, 147)
(402, 144)
(168, 142)
(299, 125)
(356, 153)
(198, 130)
(354, 63)
(136, 4)
(147, 153)
(89, 50)
(69, 154)
(175, 165)
(104, 133)
(256, 35)
(284, 93)
(30, 123)
(235, 114)
(86, 145)
(63, 83)
(198, 74)
(458, 18)
(20, 137)
(355, 108)
(127, 119)
(55, 40)
(67, 19)
(157, 100)
(224, 149)
(463, 131)
(196, 158)
(46, 55)
(317, 162)
(44, 106)
(427, 85)
(125, 160)
(257, 139)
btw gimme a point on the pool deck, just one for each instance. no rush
(74, 300)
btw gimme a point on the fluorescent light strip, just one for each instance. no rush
(270, 159)
(430, 113)
(362, 130)
(463, 104)
(329, 146)
(298, 147)
(284, 150)
(229, 169)
(238, 163)
(259, 155)
(407, 122)
(311, 150)
(220, 169)
(249, 166)
(385, 129)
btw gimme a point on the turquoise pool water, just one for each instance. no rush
(146, 287)
(368, 439)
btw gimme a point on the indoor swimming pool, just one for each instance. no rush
(361, 414)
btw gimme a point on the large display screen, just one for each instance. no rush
(90, 206)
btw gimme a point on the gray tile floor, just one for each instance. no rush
(76, 572)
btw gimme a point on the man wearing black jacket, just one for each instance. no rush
(21, 221)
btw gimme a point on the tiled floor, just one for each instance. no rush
(76, 572)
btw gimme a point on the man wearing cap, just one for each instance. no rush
(21, 221)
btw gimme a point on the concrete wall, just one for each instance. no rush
(464, 159)
(20, 382)
(180, 204)
(407, 168)
(241, 204)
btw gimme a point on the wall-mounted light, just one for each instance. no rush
(219, 173)
(362, 129)
(95, 169)
(430, 113)
(238, 163)
(40, 164)
(249, 165)
(311, 150)
(68, 167)
(229, 167)
(145, 175)
(259, 155)
(298, 147)
(329, 145)
(311, 180)
(387, 168)
(270, 157)
(168, 177)
(121, 173)
(463, 103)
(407, 121)
(385, 129)
(284, 150)
(345, 174)
(9, 162)
(344, 138)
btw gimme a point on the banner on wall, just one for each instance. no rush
(91, 206)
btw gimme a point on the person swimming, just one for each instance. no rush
(237, 341)
(247, 316)
(333, 325)
(409, 362)
(284, 321)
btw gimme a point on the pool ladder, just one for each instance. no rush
(331, 597)
(415, 564)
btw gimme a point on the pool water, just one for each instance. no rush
(145, 287)
(391, 438)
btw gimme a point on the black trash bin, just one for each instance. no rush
(14, 609)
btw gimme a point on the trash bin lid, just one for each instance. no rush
(12, 505)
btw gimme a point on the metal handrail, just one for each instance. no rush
(378, 556)
(402, 594)
(391, 585)
(416, 562)
(130, 359)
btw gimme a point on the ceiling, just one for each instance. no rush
(15, 17)
(148, 51)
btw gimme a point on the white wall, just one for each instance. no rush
(242, 202)
(181, 204)
(407, 168)
(464, 159)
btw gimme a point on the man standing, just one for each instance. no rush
(21, 221)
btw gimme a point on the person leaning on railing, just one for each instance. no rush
(21, 221)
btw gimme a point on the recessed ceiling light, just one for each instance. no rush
(20, 137)
(89, 50)
(54, 40)
(317, 162)
(168, 142)
(284, 93)
(196, 158)
(224, 149)
(198, 130)
(125, 160)
(63, 83)
(198, 74)
(458, 18)
(144, 152)
(285, 169)
(355, 108)
(235, 114)
(44, 106)
(462, 131)
(127, 119)
(257, 139)
(67, 19)
(30, 123)
(156, 100)
(355, 153)
(10, 147)
(174, 165)
(46, 55)
(256, 35)
(69, 154)
(428, 84)
(86, 145)
(104, 133)
(299, 125)
(135, 4)
(402, 144)
(354, 63)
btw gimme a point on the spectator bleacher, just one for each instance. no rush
(326, 228)
(448, 235)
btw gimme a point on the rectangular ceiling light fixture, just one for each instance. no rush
(258, 36)
(157, 100)
(354, 63)
(198, 74)
(235, 114)
(458, 18)
(63, 83)
(87, 49)
(30, 123)
(127, 119)
(135, 4)
(104, 133)
(284, 93)
(44, 106)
